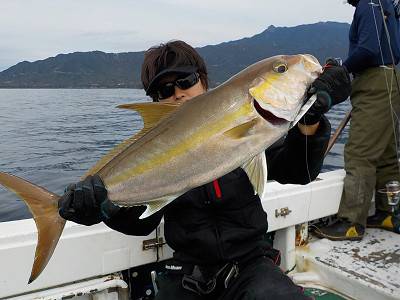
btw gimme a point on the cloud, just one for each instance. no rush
(36, 29)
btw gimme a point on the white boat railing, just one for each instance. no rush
(85, 253)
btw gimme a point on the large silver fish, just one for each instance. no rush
(185, 146)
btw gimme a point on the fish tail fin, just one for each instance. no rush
(44, 208)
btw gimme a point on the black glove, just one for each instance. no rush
(333, 86)
(86, 202)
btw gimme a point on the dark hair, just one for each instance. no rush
(170, 55)
(353, 2)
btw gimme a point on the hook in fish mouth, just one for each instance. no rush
(268, 116)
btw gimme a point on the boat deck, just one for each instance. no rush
(367, 269)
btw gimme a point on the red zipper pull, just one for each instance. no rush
(217, 189)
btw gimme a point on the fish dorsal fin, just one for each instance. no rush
(155, 206)
(151, 113)
(303, 110)
(241, 130)
(256, 170)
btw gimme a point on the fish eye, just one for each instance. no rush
(280, 67)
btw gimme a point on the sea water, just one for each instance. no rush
(52, 136)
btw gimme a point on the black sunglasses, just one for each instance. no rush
(166, 90)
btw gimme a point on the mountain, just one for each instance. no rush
(97, 69)
(76, 70)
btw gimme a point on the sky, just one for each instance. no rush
(36, 29)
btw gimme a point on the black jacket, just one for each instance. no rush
(224, 220)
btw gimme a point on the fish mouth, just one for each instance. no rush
(268, 116)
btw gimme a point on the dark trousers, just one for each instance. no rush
(260, 279)
(370, 155)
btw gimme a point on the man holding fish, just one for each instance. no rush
(217, 229)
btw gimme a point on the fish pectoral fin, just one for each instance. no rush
(303, 110)
(256, 170)
(44, 208)
(151, 112)
(241, 130)
(155, 206)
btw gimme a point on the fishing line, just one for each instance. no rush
(380, 49)
(307, 166)
(309, 181)
(389, 44)
(393, 75)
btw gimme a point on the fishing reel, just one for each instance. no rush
(392, 191)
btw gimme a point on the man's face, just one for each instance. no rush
(180, 95)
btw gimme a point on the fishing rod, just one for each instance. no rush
(338, 131)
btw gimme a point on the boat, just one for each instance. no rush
(96, 262)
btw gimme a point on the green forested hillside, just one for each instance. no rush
(97, 69)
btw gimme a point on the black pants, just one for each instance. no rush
(261, 279)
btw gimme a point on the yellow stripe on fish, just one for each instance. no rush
(190, 143)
